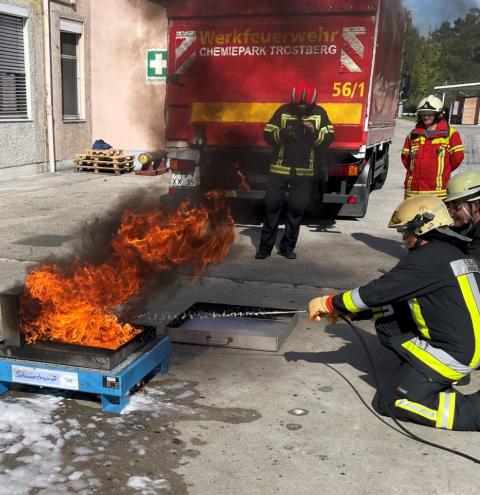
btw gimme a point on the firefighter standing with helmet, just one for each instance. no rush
(298, 131)
(427, 313)
(463, 203)
(431, 151)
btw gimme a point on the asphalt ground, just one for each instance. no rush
(220, 420)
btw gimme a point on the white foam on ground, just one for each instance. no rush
(146, 486)
(32, 435)
(185, 395)
(26, 423)
(150, 401)
(31, 440)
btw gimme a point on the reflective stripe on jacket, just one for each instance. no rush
(439, 288)
(430, 160)
(298, 154)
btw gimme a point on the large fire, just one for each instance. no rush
(75, 304)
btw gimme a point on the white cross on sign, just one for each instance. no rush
(158, 64)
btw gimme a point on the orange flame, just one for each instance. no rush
(75, 305)
(243, 180)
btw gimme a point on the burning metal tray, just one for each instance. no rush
(79, 355)
(227, 325)
(13, 345)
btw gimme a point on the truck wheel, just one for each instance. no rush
(381, 178)
(367, 196)
(368, 187)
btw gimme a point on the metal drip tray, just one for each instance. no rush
(79, 355)
(226, 325)
(13, 346)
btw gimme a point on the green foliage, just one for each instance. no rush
(449, 54)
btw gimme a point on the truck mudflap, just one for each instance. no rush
(354, 201)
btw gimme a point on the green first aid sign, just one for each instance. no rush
(156, 65)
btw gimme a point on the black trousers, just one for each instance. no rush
(411, 395)
(298, 195)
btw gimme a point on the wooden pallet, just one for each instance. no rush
(109, 152)
(102, 166)
(109, 159)
(101, 161)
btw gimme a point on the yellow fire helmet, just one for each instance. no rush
(430, 104)
(464, 186)
(421, 214)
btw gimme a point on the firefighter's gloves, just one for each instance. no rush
(322, 307)
(295, 131)
(310, 131)
(289, 133)
(309, 127)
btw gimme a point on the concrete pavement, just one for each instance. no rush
(219, 421)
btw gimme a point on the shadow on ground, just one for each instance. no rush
(45, 240)
(387, 246)
(254, 234)
(352, 353)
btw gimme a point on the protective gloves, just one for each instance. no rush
(322, 306)
(289, 133)
(310, 132)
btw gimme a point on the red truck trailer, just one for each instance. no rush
(231, 64)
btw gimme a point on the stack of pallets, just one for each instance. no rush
(111, 160)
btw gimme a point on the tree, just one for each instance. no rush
(426, 71)
(450, 53)
(413, 41)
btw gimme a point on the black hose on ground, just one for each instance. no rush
(389, 409)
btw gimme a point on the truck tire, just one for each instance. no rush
(368, 189)
(381, 178)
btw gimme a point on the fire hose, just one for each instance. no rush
(375, 379)
(389, 409)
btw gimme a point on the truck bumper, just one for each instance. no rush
(245, 194)
(197, 192)
(350, 205)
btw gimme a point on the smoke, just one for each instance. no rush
(80, 303)
(429, 14)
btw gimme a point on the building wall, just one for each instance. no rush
(71, 137)
(24, 142)
(127, 112)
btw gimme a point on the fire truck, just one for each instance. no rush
(232, 64)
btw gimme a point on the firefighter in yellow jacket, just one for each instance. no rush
(432, 151)
(298, 131)
(427, 310)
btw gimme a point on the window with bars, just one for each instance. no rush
(13, 85)
(69, 45)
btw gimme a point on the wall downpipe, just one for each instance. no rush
(48, 87)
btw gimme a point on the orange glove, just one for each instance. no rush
(322, 306)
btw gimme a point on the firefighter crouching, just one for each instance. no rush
(427, 313)
(431, 151)
(297, 131)
(463, 203)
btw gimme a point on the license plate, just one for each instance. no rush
(180, 179)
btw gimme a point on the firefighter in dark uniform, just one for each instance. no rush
(463, 203)
(428, 313)
(298, 131)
